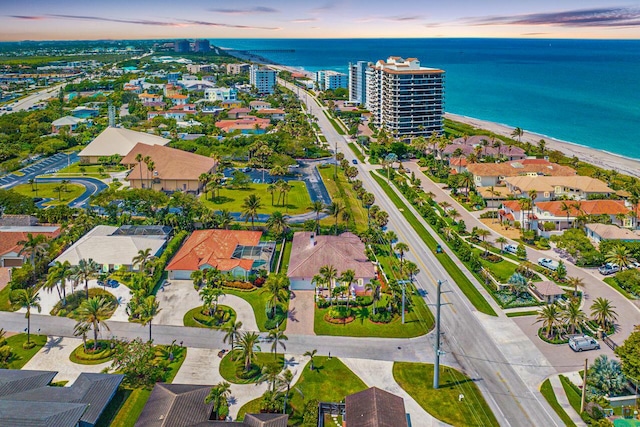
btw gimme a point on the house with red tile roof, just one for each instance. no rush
(238, 253)
(248, 124)
(236, 113)
(563, 213)
(11, 236)
(310, 252)
(493, 174)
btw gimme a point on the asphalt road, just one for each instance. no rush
(45, 166)
(29, 101)
(506, 383)
(91, 186)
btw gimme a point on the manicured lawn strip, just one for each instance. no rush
(417, 322)
(331, 381)
(258, 301)
(298, 199)
(5, 304)
(417, 380)
(340, 189)
(522, 313)
(335, 124)
(286, 256)
(189, 320)
(90, 169)
(228, 366)
(465, 285)
(356, 151)
(125, 407)
(46, 191)
(22, 356)
(611, 281)
(547, 391)
(574, 395)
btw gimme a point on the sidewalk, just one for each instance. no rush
(561, 397)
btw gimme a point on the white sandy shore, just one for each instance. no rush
(590, 155)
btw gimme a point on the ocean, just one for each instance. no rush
(582, 91)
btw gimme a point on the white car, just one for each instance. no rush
(548, 263)
(511, 249)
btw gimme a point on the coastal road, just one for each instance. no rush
(505, 365)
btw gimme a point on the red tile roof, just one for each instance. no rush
(588, 207)
(514, 205)
(9, 239)
(214, 248)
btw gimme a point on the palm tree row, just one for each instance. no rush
(556, 320)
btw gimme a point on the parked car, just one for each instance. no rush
(511, 248)
(608, 268)
(583, 342)
(354, 161)
(548, 263)
(112, 283)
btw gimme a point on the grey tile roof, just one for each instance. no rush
(40, 414)
(14, 381)
(175, 405)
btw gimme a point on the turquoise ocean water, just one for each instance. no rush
(581, 91)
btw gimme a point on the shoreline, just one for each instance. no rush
(600, 158)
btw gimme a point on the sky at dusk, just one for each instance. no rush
(131, 19)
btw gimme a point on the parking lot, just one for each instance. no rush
(39, 167)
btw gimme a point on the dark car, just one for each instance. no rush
(354, 161)
(112, 283)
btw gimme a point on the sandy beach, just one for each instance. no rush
(590, 155)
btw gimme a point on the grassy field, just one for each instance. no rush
(298, 199)
(547, 391)
(258, 301)
(46, 191)
(228, 366)
(417, 380)
(340, 190)
(417, 322)
(90, 170)
(22, 356)
(463, 282)
(330, 381)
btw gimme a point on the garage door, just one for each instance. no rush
(301, 284)
(180, 275)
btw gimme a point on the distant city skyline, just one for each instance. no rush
(120, 19)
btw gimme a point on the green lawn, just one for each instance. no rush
(229, 367)
(46, 191)
(340, 190)
(195, 319)
(5, 303)
(22, 356)
(298, 199)
(90, 170)
(463, 282)
(522, 313)
(417, 380)
(258, 300)
(417, 322)
(102, 355)
(356, 150)
(75, 299)
(547, 391)
(574, 396)
(613, 282)
(286, 256)
(502, 270)
(331, 381)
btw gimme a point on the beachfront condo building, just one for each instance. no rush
(358, 82)
(263, 79)
(404, 97)
(331, 80)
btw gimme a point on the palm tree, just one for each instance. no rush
(277, 286)
(374, 288)
(277, 224)
(251, 206)
(317, 207)
(619, 255)
(57, 277)
(218, 396)
(224, 218)
(573, 316)
(34, 247)
(142, 258)
(550, 316)
(147, 310)
(466, 180)
(368, 199)
(95, 311)
(566, 208)
(28, 299)
(481, 232)
(247, 344)
(84, 271)
(575, 282)
(517, 132)
(347, 278)
(278, 337)
(335, 209)
(81, 329)
(402, 248)
(139, 159)
(197, 277)
(502, 241)
(311, 354)
(329, 274)
(603, 312)
(232, 333)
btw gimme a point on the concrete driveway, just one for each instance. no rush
(180, 296)
(54, 356)
(301, 310)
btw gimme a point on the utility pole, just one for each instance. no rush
(436, 365)
(584, 386)
(404, 286)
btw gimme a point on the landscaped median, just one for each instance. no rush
(547, 391)
(218, 318)
(463, 282)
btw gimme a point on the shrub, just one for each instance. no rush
(322, 303)
(254, 371)
(381, 316)
(364, 300)
(259, 282)
(491, 257)
(310, 417)
(236, 284)
(339, 312)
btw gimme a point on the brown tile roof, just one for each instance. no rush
(170, 163)
(248, 122)
(9, 239)
(214, 248)
(344, 252)
(548, 183)
(520, 167)
(547, 288)
(613, 232)
(588, 207)
(375, 408)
